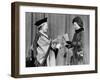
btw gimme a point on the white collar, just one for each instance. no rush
(43, 33)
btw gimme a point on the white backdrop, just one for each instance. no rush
(5, 41)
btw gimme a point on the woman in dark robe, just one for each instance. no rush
(77, 42)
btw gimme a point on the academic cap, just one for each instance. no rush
(39, 22)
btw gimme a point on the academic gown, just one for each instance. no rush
(41, 45)
(77, 44)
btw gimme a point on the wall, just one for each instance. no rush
(5, 41)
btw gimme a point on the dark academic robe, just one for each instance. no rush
(77, 44)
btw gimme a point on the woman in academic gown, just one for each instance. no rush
(43, 47)
(77, 42)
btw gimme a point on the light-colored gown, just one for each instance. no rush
(41, 44)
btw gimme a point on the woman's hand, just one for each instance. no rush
(53, 45)
(58, 46)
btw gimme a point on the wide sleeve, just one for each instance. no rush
(43, 43)
(35, 44)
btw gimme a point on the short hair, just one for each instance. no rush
(78, 20)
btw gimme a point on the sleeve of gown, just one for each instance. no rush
(43, 43)
(35, 45)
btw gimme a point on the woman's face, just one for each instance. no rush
(76, 26)
(45, 27)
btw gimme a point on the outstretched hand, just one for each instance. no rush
(58, 46)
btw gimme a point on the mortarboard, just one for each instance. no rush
(39, 22)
